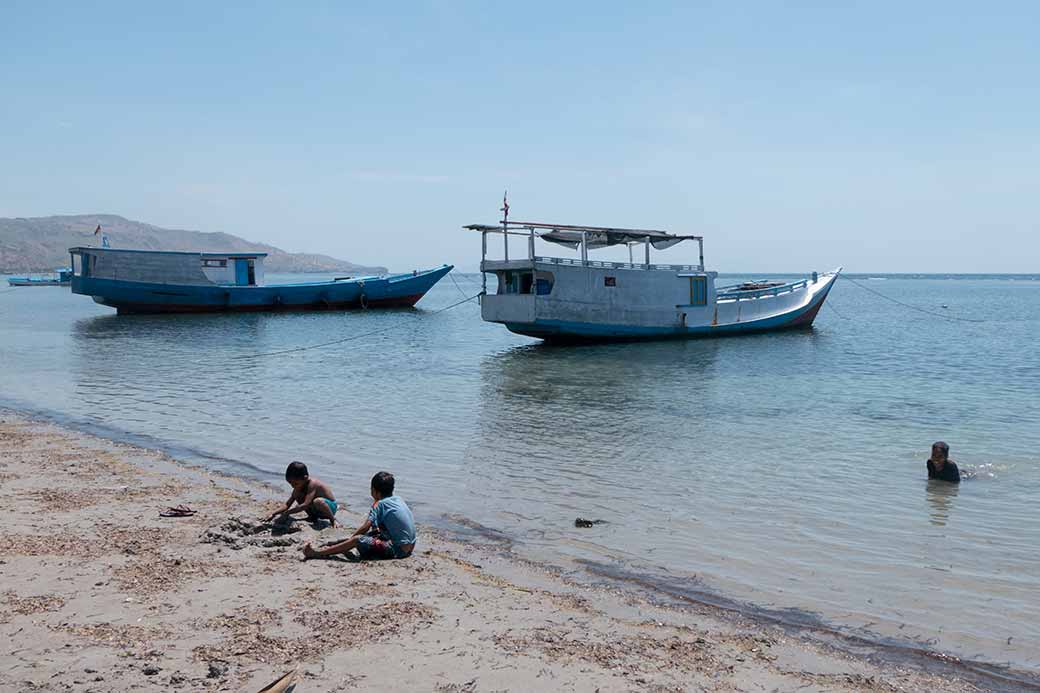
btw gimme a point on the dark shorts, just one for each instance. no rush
(376, 547)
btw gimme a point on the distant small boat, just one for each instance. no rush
(61, 277)
(151, 281)
(565, 299)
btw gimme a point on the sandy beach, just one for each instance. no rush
(100, 593)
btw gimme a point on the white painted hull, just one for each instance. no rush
(604, 301)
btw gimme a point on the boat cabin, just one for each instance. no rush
(168, 267)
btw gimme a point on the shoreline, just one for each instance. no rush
(469, 617)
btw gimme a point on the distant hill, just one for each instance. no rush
(41, 244)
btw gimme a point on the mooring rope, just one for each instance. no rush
(450, 276)
(347, 339)
(835, 310)
(908, 305)
(13, 288)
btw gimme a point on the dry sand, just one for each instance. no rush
(99, 593)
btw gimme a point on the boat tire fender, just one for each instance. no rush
(363, 300)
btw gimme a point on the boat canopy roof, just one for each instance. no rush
(594, 236)
(235, 255)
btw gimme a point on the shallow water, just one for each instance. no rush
(783, 470)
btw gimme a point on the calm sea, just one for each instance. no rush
(782, 471)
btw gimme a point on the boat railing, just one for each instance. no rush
(576, 262)
(734, 294)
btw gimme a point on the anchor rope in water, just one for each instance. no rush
(13, 288)
(346, 339)
(835, 310)
(455, 283)
(909, 305)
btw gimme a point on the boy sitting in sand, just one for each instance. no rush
(389, 531)
(312, 496)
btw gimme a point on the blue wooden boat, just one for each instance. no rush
(61, 277)
(574, 299)
(149, 281)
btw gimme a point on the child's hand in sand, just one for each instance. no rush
(309, 552)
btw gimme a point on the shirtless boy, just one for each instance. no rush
(312, 496)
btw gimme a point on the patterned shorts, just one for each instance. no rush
(372, 546)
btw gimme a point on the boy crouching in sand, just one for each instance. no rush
(312, 496)
(389, 531)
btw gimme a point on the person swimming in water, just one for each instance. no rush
(940, 466)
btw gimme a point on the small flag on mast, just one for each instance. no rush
(97, 230)
(505, 204)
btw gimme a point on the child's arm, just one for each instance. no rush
(363, 529)
(303, 504)
(284, 509)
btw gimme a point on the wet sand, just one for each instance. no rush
(100, 593)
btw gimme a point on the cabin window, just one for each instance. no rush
(526, 281)
(609, 281)
(252, 273)
(698, 291)
(87, 263)
(214, 263)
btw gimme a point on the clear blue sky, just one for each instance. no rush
(884, 136)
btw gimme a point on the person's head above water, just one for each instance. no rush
(382, 485)
(296, 473)
(940, 452)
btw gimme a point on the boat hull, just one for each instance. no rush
(132, 297)
(733, 313)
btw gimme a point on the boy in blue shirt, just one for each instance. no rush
(389, 531)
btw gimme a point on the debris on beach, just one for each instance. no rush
(358, 626)
(114, 635)
(627, 653)
(582, 522)
(217, 670)
(286, 684)
(177, 511)
(248, 637)
(63, 544)
(27, 606)
(152, 574)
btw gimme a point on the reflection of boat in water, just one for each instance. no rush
(147, 281)
(61, 277)
(575, 299)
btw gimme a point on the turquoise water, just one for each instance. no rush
(785, 471)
